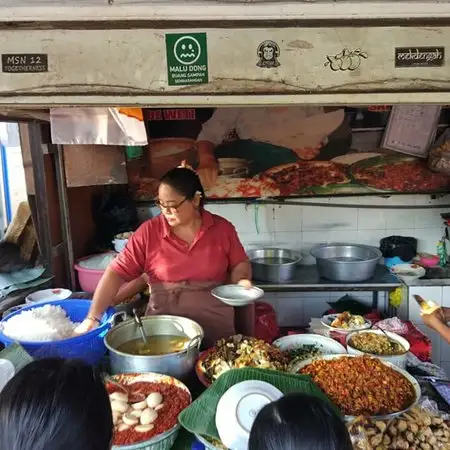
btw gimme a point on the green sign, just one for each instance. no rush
(187, 59)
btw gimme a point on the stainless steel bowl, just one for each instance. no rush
(177, 365)
(346, 262)
(275, 265)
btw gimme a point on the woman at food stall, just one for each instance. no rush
(184, 252)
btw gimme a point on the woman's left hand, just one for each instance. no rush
(247, 284)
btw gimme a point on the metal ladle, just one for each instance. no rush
(138, 321)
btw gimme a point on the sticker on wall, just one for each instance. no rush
(419, 56)
(268, 53)
(187, 59)
(24, 62)
(346, 60)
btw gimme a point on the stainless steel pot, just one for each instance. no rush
(273, 264)
(346, 262)
(177, 365)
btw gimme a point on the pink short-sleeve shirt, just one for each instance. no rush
(154, 250)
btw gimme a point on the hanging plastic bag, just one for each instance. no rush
(439, 154)
(98, 126)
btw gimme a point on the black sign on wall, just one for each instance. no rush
(24, 62)
(419, 56)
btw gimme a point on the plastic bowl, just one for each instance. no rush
(88, 347)
(89, 278)
(398, 360)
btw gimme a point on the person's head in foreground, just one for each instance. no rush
(299, 421)
(180, 196)
(54, 404)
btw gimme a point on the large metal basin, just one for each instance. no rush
(346, 262)
(177, 365)
(275, 265)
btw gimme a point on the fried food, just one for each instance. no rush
(361, 386)
(347, 321)
(240, 351)
(376, 344)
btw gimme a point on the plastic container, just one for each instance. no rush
(398, 360)
(89, 278)
(88, 347)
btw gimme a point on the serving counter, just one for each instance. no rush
(307, 279)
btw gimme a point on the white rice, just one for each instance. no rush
(97, 262)
(46, 323)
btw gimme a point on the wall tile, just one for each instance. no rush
(288, 218)
(327, 218)
(341, 236)
(371, 237)
(424, 218)
(428, 238)
(289, 240)
(399, 219)
(371, 219)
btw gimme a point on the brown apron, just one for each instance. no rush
(194, 301)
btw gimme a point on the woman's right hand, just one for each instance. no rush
(88, 324)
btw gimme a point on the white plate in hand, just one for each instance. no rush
(236, 295)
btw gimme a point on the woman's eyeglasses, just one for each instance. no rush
(170, 207)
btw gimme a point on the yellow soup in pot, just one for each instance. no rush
(155, 345)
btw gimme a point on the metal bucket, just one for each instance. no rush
(274, 265)
(346, 262)
(177, 365)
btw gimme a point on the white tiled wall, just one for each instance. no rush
(304, 226)
(301, 227)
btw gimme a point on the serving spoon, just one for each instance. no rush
(138, 321)
(133, 397)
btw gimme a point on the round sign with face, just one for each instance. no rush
(187, 50)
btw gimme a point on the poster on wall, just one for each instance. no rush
(262, 152)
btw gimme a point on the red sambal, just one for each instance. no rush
(175, 400)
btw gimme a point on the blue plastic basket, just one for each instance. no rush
(88, 347)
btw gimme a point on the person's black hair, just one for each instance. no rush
(52, 404)
(186, 182)
(299, 421)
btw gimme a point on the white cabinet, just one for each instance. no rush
(433, 293)
(435, 342)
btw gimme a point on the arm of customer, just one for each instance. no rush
(128, 266)
(438, 322)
